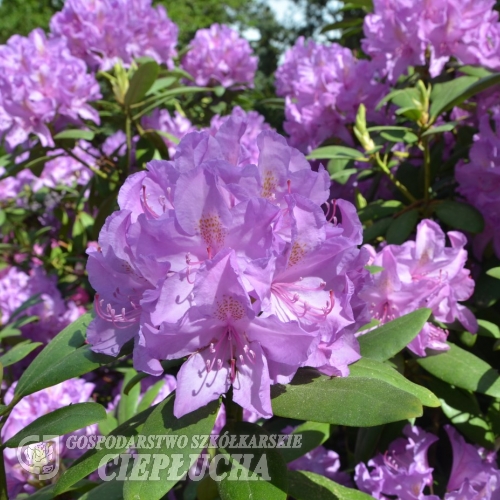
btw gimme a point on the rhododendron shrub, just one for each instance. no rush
(187, 252)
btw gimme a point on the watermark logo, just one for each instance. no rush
(40, 457)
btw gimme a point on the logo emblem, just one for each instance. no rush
(40, 457)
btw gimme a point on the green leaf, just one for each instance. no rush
(374, 269)
(488, 329)
(387, 340)
(59, 422)
(268, 461)
(313, 435)
(494, 272)
(462, 409)
(343, 176)
(401, 228)
(90, 460)
(63, 358)
(343, 401)
(370, 368)
(450, 94)
(127, 406)
(444, 95)
(447, 127)
(366, 443)
(377, 229)
(404, 135)
(463, 369)
(162, 83)
(86, 135)
(162, 422)
(150, 395)
(141, 82)
(380, 210)
(330, 152)
(460, 216)
(110, 490)
(18, 352)
(304, 485)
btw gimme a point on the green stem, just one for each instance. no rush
(427, 169)
(88, 165)
(128, 131)
(402, 188)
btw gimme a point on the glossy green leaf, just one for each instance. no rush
(266, 463)
(313, 435)
(86, 135)
(63, 358)
(402, 227)
(18, 352)
(369, 368)
(462, 409)
(110, 490)
(463, 369)
(59, 422)
(460, 216)
(127, 406)
(450, 95)
(162, 422)
(447, 127)
(379, 210)
(90, 460)
(444, 95)
(377, 229)
(488, 329)
(304, 485)
(366, 443)
(387, 340)
(141, 82)
(330, 152)
(494, 272)
(343, 401)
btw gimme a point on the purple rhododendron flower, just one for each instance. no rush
(479, 181)
(233, 265)
(423, 273)
(255, 125)
(323, 462)
(105, 32)
(324, 86)
(402, 472)
(474, 474)
(54, 314)
(176, 126)
(40, 81)
(27, 411)
(220, 56)
(402, 33)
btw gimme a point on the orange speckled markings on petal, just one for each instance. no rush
(297, 253)
(269, 185)
(212, 231)
(229, 307)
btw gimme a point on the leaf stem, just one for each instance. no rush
(402, 188)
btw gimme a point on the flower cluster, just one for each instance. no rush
(41, 81)
(175, 127)
(423, 273)
(104, 32)
(28, 410)
(401, 33)
(236, 267)
(219, 56)
(403, 471)
(53, 313)
(255, 124)
(479, 181)
(324, 86)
